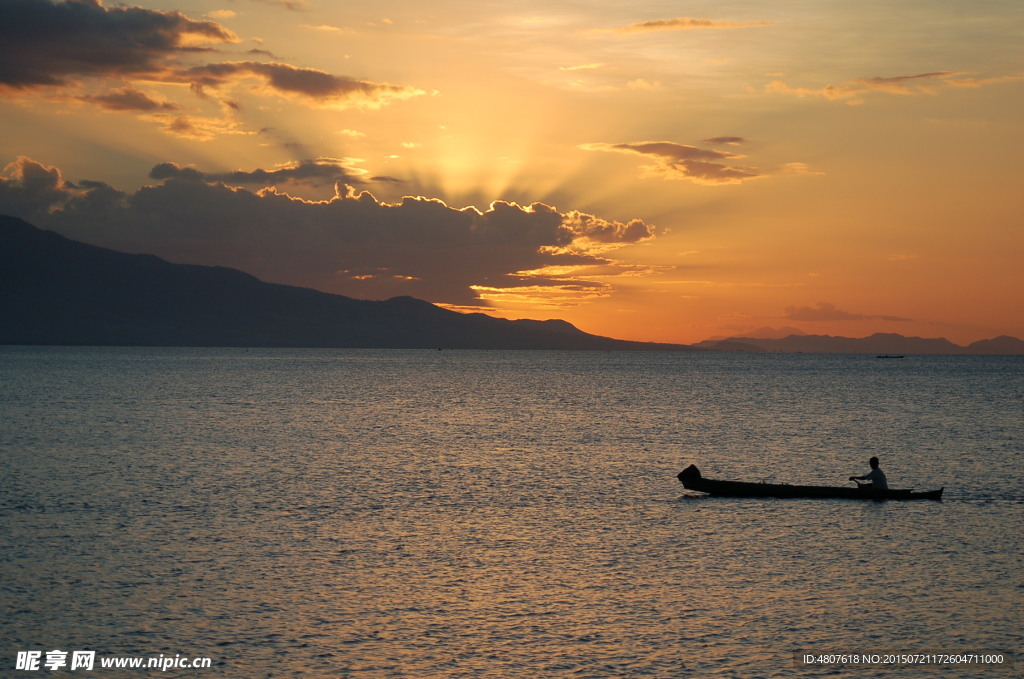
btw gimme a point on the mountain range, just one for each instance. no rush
(56, 291)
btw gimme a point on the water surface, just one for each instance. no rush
(331, 513)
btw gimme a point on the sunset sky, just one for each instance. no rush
(666, 171)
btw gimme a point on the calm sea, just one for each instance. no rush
(323, 513)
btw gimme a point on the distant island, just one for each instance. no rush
(56, 291)
(882, 344)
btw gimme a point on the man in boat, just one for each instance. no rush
(876, 476)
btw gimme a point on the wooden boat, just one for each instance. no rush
(692, 480)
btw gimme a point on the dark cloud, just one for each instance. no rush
(826, 311)
(129, 99)
(28, 188)
(316, 172)
(293, 5)
(46, 43)
(681, 161)
(175, 171)
(672, 151)
(352, 244)
(290, 80)
(72, 50)
(603, 231)
(729, 141)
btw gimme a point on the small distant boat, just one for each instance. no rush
(692, 480)
(890, 356)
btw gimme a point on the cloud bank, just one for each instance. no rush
(352, 244)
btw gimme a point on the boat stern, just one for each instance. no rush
(689, 476)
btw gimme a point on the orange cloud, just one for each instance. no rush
(198, 128)
(982, 82)
(927, 83)
(581, 67)
(129, 99)
(688, 24)
(854, 91)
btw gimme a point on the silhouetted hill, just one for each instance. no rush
(879, 343)
(1003, 344)
(62, 292)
